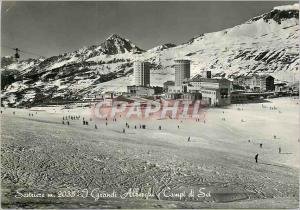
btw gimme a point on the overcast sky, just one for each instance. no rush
(51, 28)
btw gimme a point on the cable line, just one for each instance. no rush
(23, 51)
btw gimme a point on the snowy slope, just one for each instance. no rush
(264, 44)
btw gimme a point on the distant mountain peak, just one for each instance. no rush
(114, 36)
(115, 44)
(168, 45)
(287, 7)
(162, 47)
(279, 14)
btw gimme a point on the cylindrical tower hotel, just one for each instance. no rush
(141, 73)
(182, 71)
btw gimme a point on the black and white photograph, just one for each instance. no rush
(150, 104)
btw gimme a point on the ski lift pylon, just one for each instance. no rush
(17, 53)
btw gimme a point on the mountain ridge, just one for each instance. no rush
(260, 45)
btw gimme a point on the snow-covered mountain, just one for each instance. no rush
(264, 44)
(162, 47)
